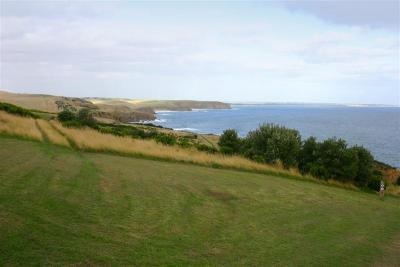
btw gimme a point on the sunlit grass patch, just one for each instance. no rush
(52, 134)
(20, 126)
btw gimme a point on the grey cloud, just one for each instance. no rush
(56, 9)
(383, 14)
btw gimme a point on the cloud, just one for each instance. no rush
(373, 13)
(78, 50)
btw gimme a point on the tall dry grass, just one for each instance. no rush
(21, 126)
(52, 134)
(93, 140)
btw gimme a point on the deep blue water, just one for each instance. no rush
(376, 128)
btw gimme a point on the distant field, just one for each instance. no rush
(60, 206)
(161, 104)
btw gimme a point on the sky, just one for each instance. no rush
(271, 51)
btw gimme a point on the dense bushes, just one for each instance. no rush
(13, 109)
(165, 139)
(268, 144)
(330, 159)
(84, 117)
(206, 148)
(229, 142)
(272, 143)
(66, 115)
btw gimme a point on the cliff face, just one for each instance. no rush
(126, 117)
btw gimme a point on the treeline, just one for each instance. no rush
(329, 159)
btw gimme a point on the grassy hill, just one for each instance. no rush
(46, 103)
(61, 206)
(106, 109)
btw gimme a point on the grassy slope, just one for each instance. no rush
(160, 104)
(60, 206)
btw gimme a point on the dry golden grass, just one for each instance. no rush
(393, 190)
(30, 101)
(94, 140)
(21, 126)
(52, 134)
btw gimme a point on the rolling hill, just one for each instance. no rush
(60, 206)
(107, 109)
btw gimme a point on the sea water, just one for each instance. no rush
(376, 128)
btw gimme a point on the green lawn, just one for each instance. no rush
(59, 206)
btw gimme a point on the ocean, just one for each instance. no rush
(376, 128)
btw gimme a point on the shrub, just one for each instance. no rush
(271, 143)
(206, 148)
(166, 139)
(13, 109)
(106, 129)
(229, 142)
(364, 165)
(184, 142)
(85, 116)
(66, 115)
(374, 183)
(398, 180)
(331, 159)
(72, 124)
(308, 155)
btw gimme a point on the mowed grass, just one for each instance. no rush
(60, 206)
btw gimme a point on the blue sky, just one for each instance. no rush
(293, 51)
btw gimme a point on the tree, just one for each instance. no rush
(308, 155)
(85, 116)
(365, 162)
(331, 159)
(66, 115)
(271, 143)
(229, 142)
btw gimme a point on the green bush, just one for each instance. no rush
(333, 159)
(364, 169)
(374, 183)
(229, 142)
(72, 124)
(206, 148)
(308, 156)
(184, 142)
(398, 180)
(106, 129)
(166, 139)
(66, 115)
(13, 109)
(85, 116)
(271, 143)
